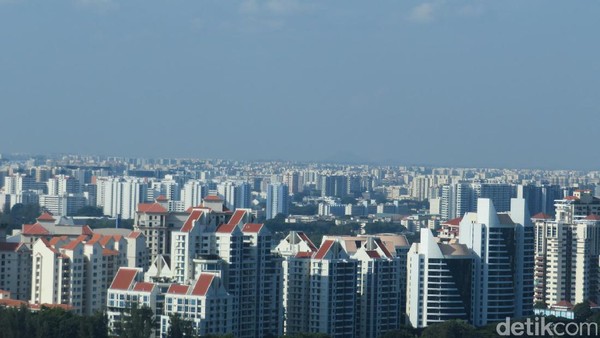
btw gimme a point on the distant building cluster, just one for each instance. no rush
(478, 245)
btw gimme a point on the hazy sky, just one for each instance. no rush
(462, 83)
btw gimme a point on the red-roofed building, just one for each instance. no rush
(208, 305)
(151, 208)
(127, 288)
(580, 205)
(541, 215)
(450, 228)
(252, 227)
(156, 223)
(46, 217)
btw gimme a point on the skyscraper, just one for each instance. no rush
(503, 243)
(278, 200)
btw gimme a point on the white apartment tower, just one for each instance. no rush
(504, 245)
(440, 281)
(566, 260)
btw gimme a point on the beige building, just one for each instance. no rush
(566, 260)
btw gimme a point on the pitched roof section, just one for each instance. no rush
(134, 234)
(237, 216)
(324, 249)
(307, 240)
(72, 244)
(541, 215)
(35, 229)
(46, 217)
(252, 227)
(8, 246)
(189, 223)
(454, 221)
(152, 208)
(213, 198)
(178, 289)
(143, 287)
(383, 248)
(373, 254)
(161, 198)
(203, 284)
(592, 218)
(302, 254)
(123, 279)
(235, 219)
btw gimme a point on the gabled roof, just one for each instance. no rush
(235, 219)
(383, 248)
(123, 279)
(178, 289)
(72, 244)
(192, 218)
(8, 246)
(252, 227)
(213, 198)
(54, 240)
(95, 239)
(373, 254)
(307, 240)
(302, 254)
(541, 215)
(105, 239)
(571, 198)
(86, 230)
(161, 198)
(203, 284)
(134, 234)
(324, 249)
(152, 208)
(144, 287)
(592, 218)
(35, 229)
(46, 217)
(454, 221)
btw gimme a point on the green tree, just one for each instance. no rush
(137, 323)
(582, 312)
(403, 332)
(449, 329)
(90, 211)
(180, 327)
(540, 305)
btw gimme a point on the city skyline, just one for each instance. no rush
(475, 84)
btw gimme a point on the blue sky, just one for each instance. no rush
(461, 83)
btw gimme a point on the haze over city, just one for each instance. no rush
(461, 83)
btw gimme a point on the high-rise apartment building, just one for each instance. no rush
(484, 277)
(364, 273)
(566, 260)
(580, 205)
(504, 245)
(439, 281)
(15, 272)
(119, 197)
(278, 200)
